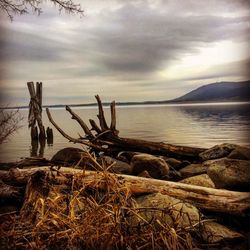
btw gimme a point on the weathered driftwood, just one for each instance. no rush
(35, 111)
(25, 163)
(105, 139)
(216, 200)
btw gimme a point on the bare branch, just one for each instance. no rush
(81, 122)
(9, 123)
(95, 146)
(68, 6)
(60, 130)
(113, 119)
(16, 7)
(95, 126)
(101, 116)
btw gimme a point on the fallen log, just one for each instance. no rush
(216, 200)
(105, 139)
(25, 163)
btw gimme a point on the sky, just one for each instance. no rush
(124, 50)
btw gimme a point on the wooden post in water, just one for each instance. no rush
(49, 133)
(35, 111)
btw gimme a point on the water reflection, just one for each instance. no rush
(220, 113)
(225, 123)
(193, 125)
(37, 148)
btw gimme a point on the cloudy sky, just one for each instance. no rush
(124, 50)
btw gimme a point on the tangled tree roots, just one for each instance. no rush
(104, 138)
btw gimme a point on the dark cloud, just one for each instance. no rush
(23, 46)
(149, 41)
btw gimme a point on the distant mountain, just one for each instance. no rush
(213, 92)
(219, 91)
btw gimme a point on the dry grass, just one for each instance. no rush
(77, 214)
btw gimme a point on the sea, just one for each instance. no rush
(198, 125)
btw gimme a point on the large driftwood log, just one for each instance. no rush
(106, 139)
(216, 200)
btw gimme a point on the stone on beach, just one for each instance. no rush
(202, 180)
(68, 155)
(118, 167)
(156, 167)
(240, 153)
(167, 210)
(213, 232)
(175, 164)
(192, 170)
(229, 173)
(217, 151)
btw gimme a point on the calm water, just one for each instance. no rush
(193, 125)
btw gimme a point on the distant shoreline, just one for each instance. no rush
(219, 92)
(147, 103)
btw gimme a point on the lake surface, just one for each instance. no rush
(199, 125)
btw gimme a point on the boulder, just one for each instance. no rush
(175, 164)
(217, 151)
(202, 180)
(192, 170)
(118, 167)
(165, 209)
(156, 167)
(240, 153)
(229, 173)
(67, 155)
(145, 174)
(174, 175)
(213, 232)
(126, 156)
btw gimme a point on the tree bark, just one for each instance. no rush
(216, 200)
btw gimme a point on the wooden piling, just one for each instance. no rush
(49, 133)
(35, 111)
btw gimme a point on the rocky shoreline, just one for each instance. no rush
(222, 167)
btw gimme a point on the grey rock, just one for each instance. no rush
(145, 174)
(213, 232)
(217, 151)
(240, 153)
(202, 180)
(192, 170)
(126, 156)
(174, 175)
(165, 209)
(156, 167)
(118, 167)
(229, 173)
(174, 163)
(68, 156)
